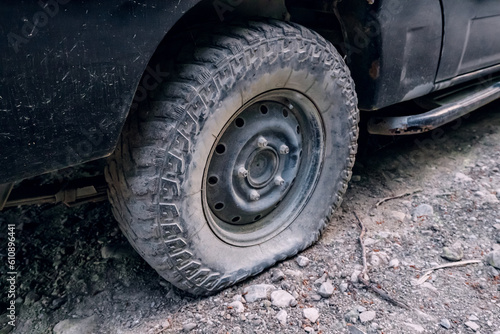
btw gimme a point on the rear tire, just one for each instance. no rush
(189, 210)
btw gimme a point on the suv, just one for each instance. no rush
(231, 126)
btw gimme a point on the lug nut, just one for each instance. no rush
(284, 149)
(262, 142)
(278, 180)
(242, 172)
(254, 195)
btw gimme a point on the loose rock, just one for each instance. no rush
(257, 292)
(302, 261)
(312, 314)
(326, 290)
(367, 316)
(281, 298)
(445, 323)
(237, 306)
(76, 326)
(472, 325)
(423, 210)
(281, 316)
(416, 328)
(277, 275)
(189, 327)
(493, 259)
(452, 254)
(351, 316)
(343, 287)
(394, 263)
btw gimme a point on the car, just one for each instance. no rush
(230, 127)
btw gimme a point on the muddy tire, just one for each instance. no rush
(240, 159)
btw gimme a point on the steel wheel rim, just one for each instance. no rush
(263, 167)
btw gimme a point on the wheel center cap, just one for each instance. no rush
(262, 167)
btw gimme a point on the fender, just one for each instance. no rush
(68, 74)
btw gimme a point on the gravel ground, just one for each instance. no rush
(77, 274)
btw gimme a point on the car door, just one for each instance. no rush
(471, 36)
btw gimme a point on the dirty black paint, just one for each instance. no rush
(68, 73)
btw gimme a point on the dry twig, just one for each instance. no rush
(429, 271)
(365, 279)
(408, 193)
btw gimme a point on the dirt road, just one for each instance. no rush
(77, 274)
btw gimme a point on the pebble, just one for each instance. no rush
(257, 292)
(490, 270)
(293, 273)
(473, 318)
(452, 254)
(394, 263)
(343, 287)
(277, 275)
(302, 261)
(351, 316)
(398, 216)
(493, 259)
(237, 306)
(472, 325)
(281, 298)
(445, 323)
(369, 242)
(189, 327)
(311, 313)
(309, 329)
(281, 316)
(367, 316)
(355, 275)
(76, 326)
(416, 328)
(423, 210)
(326, 290)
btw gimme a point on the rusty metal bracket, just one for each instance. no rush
(5, 190)
(71, 194)
(406, 125)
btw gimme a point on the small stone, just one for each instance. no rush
(326, 290)
(302, 261)
(423, 210)
(277, 275)
(356, 178)
(281, 316)
(355, 276)
(375, 260)
(416, 328)
(473, 318)
(445, 323)
(490, 270)
(493, 259)
(281, 298)
(309, 329)
(351, 316)
(293, 273)
(472, 325)
(76, 326)
(238, 298)
(237, 306)
(398, 216)
(394, 263)
(189, 327)
(367, 316)
(452, 254)
(311, 313)
(257, 292)
(343, 287)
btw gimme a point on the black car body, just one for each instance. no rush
(69, 69)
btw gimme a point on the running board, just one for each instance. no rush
(407, 125)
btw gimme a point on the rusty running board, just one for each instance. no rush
(407, 125)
